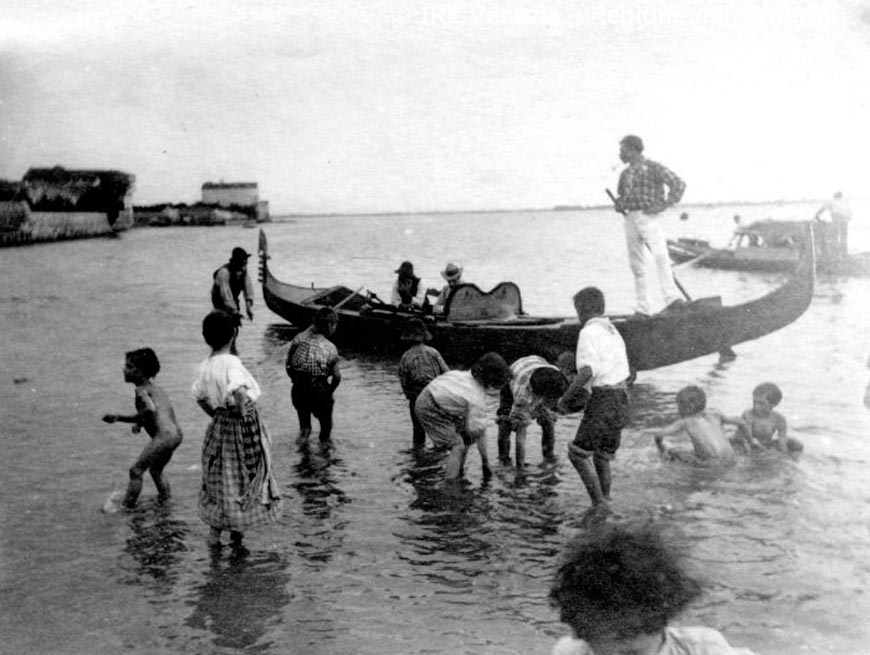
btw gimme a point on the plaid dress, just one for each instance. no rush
(238, 490)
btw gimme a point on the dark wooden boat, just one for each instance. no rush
(768, 246)
(476, 322)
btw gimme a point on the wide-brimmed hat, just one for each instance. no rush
(239, 255)
(415, 330)
(406, 268)
(451, 272)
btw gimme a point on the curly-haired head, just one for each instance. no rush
(548, 383)
(491, 370)
(691, 400)
(145, 360)
(769, 391)
(620, 582)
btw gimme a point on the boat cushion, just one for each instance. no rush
(468, 303)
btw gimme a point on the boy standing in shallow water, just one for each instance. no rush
(764, 428)
(420, 364)
(154, 413)
(617, 588)
(704, 427)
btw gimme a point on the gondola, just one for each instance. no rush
(768, 246)
(475, 322)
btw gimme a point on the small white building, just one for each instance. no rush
(243, 194)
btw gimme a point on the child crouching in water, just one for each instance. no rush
(704, 427)
(154, 413)
(762, 427)
(238, 490)
(617, 588)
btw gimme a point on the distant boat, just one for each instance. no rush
(767, 246)
(51, 204)
(476, 322)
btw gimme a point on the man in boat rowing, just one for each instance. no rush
(836, 241)
(641, 198)
(229, 282)
(602, 362)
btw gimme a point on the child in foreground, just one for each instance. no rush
(420, 364)
(154, 413)
(704, 427)
(238, 490)
(617, 588)
(764, 428)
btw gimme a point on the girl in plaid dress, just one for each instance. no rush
(238, 488)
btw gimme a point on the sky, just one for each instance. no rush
(420, 105)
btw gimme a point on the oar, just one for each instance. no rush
(344, 300)
(623, 212)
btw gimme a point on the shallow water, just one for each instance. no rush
(370, 557)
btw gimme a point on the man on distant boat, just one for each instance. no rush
(229, 282)
(841, 214)
(642, 199)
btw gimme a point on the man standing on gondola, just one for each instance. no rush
(642, 199)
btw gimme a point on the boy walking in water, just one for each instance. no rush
(704, 427)
(602, 362)
(420, 364)
(154, 413)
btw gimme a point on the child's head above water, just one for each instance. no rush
(218, 329)
(769, 392)
(143, 360)
(548, 383)
(618, 583)
(691, 400)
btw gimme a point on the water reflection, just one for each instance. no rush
(155, 545)
(315, 479)
(240, 598)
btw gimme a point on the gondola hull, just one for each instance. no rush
(701, 328)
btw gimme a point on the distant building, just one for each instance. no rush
(241, 194)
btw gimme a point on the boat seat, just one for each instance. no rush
(468, 302)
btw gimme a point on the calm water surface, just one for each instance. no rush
(369, 557)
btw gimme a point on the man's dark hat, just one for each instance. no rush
(415, 330)
(406, 268)
(239, 255)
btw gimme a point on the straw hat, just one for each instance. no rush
(451, 272)
(415, 330)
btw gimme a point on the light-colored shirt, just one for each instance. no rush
(601, 348)
(677, 641)
(526, 402)
(458, 394)
(220, 376)
(838, 209)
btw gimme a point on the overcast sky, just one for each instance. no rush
(411, 105)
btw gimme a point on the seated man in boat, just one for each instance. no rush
(452, 274)
(407, 289)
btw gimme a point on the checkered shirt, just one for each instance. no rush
(642, 187)
(311, 353)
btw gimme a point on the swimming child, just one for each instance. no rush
(419, 365)
(763, 427)
(702, 424)
(239, 489)
(618, 588)
(154, 413)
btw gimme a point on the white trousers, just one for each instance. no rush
(644, 235)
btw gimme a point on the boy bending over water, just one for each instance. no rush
(154, 413)
(617, 588)
(703, 425)
(764, 428)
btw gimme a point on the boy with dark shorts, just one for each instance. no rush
(313, 366)
(602, 363)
